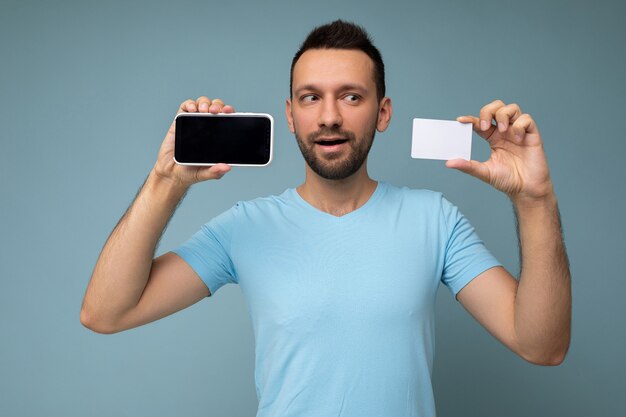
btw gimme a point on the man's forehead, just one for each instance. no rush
(333, 66)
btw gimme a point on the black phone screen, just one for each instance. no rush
(211, 139)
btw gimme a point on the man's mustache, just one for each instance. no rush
(331, 132)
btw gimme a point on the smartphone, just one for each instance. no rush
(239, 139)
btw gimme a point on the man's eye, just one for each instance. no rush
(352, 98)
(308, 98)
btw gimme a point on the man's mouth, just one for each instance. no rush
(330, 141)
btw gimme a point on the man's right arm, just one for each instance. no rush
(129, 288)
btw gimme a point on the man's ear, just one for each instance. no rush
(384, 114)
(289, 115)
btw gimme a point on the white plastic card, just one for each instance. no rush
(441, 139)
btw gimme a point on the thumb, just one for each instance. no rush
(214, 172)
(473, 168)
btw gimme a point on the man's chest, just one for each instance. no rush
(349, 275)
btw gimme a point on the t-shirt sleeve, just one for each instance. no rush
(466, 256)
(208, 251)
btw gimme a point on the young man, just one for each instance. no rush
(340, 274)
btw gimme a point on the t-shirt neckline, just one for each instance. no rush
(355, 213)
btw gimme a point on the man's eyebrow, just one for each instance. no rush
(344, 87)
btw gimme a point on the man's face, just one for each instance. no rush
(334, 111)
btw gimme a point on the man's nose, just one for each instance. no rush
(330, 116)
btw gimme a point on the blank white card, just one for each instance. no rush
(441, 139)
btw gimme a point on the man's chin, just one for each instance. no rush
(338, 170)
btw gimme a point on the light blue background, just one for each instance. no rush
(88, 89)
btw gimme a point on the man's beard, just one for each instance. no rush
(336, 167)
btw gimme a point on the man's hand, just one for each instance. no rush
(517, 165)
(185, 176)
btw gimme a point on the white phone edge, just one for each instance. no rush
(204, 164)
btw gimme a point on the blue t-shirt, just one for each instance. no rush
(342, 307)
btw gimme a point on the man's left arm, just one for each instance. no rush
(533, 316)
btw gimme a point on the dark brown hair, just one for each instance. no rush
(343, 35)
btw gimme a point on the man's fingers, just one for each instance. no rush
(203, 104)
(187, 106)
(475, 121)
(523, 125)
(487, 114)
(506, 115)
(216, 106)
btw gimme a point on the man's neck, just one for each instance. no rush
(337, 197)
